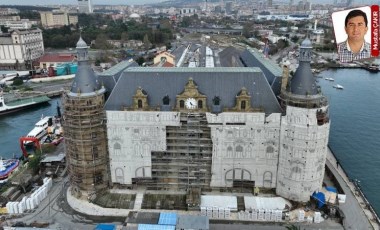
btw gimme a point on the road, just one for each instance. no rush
(54, 210)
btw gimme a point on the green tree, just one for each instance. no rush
(17, 81)
(146, 42)
(124, 36)
(292, 227)
(247, 30)
(140, 60)
(34, 162)
(101, 42)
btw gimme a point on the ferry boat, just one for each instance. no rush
(41, 128)
(19, 104)
(7, 167)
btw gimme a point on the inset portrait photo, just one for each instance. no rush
(353, 33)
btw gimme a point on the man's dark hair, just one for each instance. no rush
(355, 13)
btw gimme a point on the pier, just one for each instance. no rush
(358, 212)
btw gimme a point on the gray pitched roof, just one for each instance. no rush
(85, 80)
(253, 58)
(230, 57)
(109, 77)
(223, 82)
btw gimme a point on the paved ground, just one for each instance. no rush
(356, 214)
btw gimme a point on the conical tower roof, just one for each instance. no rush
(85, 80)
(81, 43)
(303, 82)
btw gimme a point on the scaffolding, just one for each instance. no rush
(186, 163)
(86, 146)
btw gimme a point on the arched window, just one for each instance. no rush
(242, 105)
(181, 104)
(200, 104)
(139, 104)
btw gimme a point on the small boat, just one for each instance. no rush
(19, 104)
(7, 167)
(373, 68)
(337, 86)
(329, 79)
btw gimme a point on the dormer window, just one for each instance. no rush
(140, 100)
(216, 100)
(243, 100)
(166, 100)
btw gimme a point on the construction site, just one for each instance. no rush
(86, 145)
(186, 163)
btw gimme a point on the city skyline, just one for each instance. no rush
(75, 2)
(138, 2)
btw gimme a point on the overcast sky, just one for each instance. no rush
(136, 2)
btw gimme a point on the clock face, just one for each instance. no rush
(191, 103)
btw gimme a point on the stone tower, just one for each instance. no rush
(85, 129)
(304, 133)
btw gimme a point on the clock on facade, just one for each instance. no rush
(191, 103)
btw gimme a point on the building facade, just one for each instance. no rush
(217, 128)
(58, 19)
(20, 47)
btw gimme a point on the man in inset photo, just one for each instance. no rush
(355, 47)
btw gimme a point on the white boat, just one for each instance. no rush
(337, 86)
(329, 79)
(40, 129)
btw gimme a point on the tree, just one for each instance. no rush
(17, 81)
(292, 227)
(101, 42)
(140, 60)
(124, 37)
(247, 30)
(4, 29)
(146, 42)
(34, 162)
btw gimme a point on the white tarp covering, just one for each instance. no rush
(254, 202)
(229, 202)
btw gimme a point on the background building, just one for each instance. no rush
(20, 47)
(85, 6)
(57, 19)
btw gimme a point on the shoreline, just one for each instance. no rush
(354, 194)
